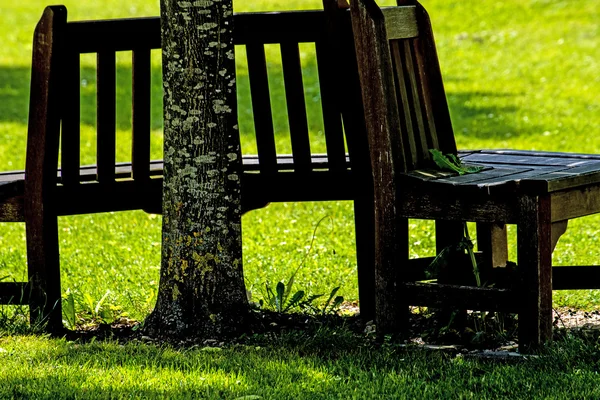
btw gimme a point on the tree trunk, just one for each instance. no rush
(201, 290)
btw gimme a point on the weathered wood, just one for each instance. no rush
(40, 168)
(404, 105)
(328, 83)
(568, 204)
(463, 297)
(350, 101)
(531, 160)
(261, 107)
(106, 116)
(413, 102)
(534, 247)
(441, 202)
(140, 154)
(401, 22)
(127, 34)
(296, 106)
(70, 135)
(382, 123)
(492, 242)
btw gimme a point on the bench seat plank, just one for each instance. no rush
(521, 171)
(260, 189)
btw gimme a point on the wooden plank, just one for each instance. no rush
(415, 102)
(493, 158)
(275, 27)
(534, 248)
(461, 297)
(527, 173)
(432, 85)
(43, 266)
(404, 105)
(485, 175)
(570, 204)
(261, 107)
(385, 144)
(283, 187)
(492, 242)
(332, 122)
(14, 293)
(353, 116)
(534, 153)
(401, 22)
(106, 116)
(567, 178)
(71, 119)
(141, 95)
(128, 34)
(364, 227)
(440, 201)
(576, 277)
(296, 106)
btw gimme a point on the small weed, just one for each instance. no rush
(282, 300)
(83, 310)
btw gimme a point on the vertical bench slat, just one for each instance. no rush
(418, 123)
(436, 107)
(334, 135)
(261, 107)
(404, 103)
(424, 100)
(296, 106)
(140, 156)
(70, 138)
(106, 122)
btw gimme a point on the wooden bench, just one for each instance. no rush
(50, 187)
(406, 116)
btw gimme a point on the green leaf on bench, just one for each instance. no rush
(450, 162)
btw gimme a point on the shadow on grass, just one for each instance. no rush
(344, 368)
(477, 115)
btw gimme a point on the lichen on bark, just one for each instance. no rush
(201, 290)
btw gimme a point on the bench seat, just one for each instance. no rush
(260, 189)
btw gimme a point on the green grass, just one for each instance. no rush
(295, 367)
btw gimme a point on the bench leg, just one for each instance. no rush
(364, 222)
(44, 272)
(449, 233)
(492, 242)
(534, 246)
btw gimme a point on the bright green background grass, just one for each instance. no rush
(518, 74)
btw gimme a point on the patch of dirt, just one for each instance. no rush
(470, 330)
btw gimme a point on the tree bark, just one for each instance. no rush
(201, 291)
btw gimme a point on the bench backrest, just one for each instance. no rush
(55, 97)
(401, 82)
